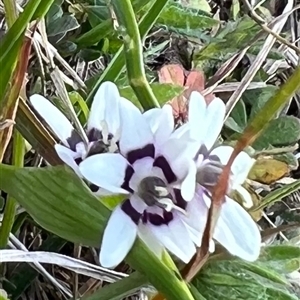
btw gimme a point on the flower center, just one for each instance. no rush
(154, 191)
(208, 175)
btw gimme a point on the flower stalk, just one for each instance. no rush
(10, 207)
(115, 67)
(129, 31)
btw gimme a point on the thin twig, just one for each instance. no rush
(263, 24)
(260, 58)
(16, 244)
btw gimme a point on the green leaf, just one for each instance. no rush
(233, 37)
(120, 289)
(176, 16)
(45, 188)
(257, 98)
(61, 203)
(97, 14)
(62, 25)
(283, 259)
(264, 279)
(283, 131)
(162, 91)
(239, 115)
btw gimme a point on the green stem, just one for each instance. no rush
(11, 12)
(133, 51)
(115, 67)
(120, 289)
(167, 281)
(10, 207)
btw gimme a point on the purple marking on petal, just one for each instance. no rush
(144, 217)
(168, 216)
(78, 160)
(162, 163)
(155, 219)
(128, 174)
(158, 220)
(130, 211)
(94, 188)
(94, 135)
(179, 199)
(97, 148)
(147, 151)
(74, 139)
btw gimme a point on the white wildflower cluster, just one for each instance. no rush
(167, 174)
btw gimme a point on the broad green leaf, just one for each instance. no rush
(283, 131)
(283, 259)
(239, 114)
(176, 16)
(233, 125)
(163, 92)
(62, 25)
(230, 39)
(97, 14)
(263, 279)
(61, 203)
(257, 98)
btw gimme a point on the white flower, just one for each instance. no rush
(235, 229)
(157, 172)
(102, 126)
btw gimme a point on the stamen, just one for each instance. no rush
(162, 191)
(168, 205)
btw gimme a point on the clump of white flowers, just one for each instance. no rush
(167, 174)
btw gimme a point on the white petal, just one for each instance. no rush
(196, 212)
(176, 239)
(182, 131)
(119, 236)
(146, 235)
(161, 121)
(247, 199)
(68, 157)
(197, 116)
(105, 107)
(137, 203)
(237, 232)
(240, 167)
(106, 170)
(179, 153)
(56, 120)
(135, 131)
(188, 185)
(215, 114)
